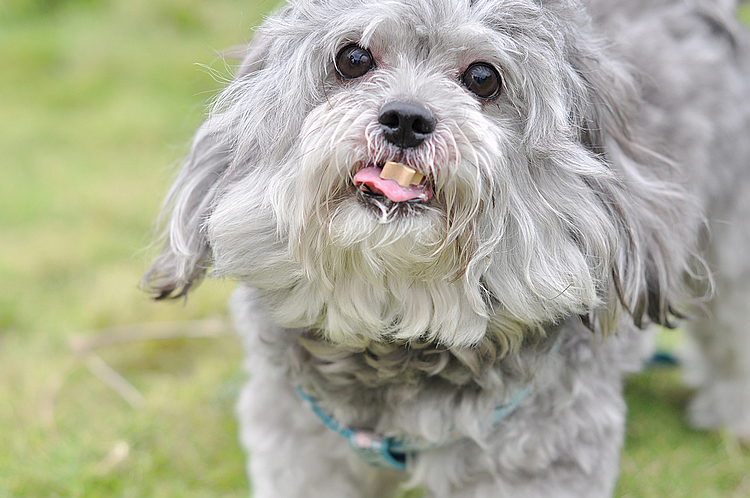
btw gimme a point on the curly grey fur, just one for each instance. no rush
(573, 204)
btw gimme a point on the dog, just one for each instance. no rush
(455, 224)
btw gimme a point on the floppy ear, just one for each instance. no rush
(186, 254)
(657, 219)
(184, 258)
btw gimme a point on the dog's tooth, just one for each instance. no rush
(404, 175)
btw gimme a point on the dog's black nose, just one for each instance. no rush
(406, 125)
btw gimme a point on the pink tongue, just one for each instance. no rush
(390, 188)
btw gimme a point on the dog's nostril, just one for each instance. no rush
(390, 119)
(420, 125)
(406, 125)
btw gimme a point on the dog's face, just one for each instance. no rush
(518, 202)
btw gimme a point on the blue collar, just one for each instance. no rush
(392, 452)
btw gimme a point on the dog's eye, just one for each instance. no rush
(482, 80)
(354, 61)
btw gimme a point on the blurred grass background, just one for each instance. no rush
(98, 99)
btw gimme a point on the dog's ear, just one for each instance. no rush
(657, 219)
(186, 254)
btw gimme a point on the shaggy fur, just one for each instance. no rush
(569, 210)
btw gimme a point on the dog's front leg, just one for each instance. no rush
(560, 460)
(538, 464)
(293, 455)
(564, 441)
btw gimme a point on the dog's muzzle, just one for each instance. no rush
(407, 126)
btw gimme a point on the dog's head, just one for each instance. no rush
(429, 170)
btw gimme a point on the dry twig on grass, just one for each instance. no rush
(83, 347)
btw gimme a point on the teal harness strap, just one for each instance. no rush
(367, 445)
(504, 411)
(391, 452)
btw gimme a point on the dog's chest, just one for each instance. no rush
(371, 387)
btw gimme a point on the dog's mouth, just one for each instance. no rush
(394, 181)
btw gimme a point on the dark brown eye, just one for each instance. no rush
(483, 80)
(354, 61)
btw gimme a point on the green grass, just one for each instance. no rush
(98, 99)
